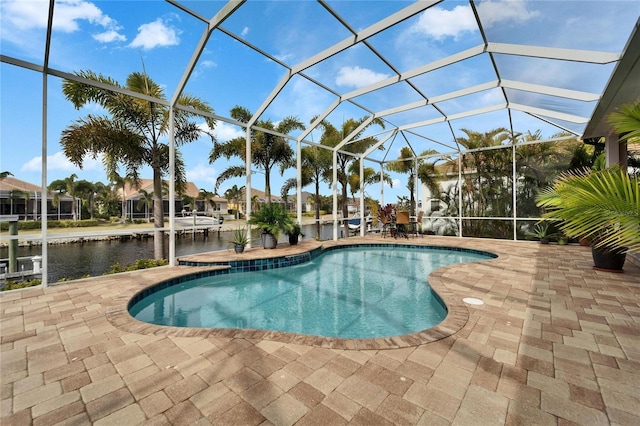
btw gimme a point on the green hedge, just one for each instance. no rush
(14, 285)
(52, 224)
(138, 264)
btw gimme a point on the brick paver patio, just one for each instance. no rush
(555, 343)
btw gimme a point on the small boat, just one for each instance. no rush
(355, 221)
(198, 220)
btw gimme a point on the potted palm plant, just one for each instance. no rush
(271, 219)
(240, 238)
(602, 205)
(294, 232)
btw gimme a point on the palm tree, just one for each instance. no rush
(537, 165)
(133, 135)
(255, 203)
(189, 201)
(316, 163)
(121, 182)
(207, 198)
(406, 164)
(428, 174)
(104, 199)
(369, 175)
(66, 186)
(331, 137)
(487, 185)
(267, 150)
(146, 201)
(86, 191)
(234, 194)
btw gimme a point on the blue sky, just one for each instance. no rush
(116, 37)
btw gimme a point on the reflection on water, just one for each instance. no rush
(96, 257)
(348, 293)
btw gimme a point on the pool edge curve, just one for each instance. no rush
(456, 318)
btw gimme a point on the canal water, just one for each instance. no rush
(94, 258)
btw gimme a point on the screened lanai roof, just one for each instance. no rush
(427, 68)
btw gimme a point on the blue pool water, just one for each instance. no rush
(347, 292)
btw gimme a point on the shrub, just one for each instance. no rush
(271, 218)
(138, 264)
(36, 224)
(14, 285)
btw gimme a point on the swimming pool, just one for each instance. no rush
(347, 292)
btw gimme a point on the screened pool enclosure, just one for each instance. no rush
(462, 110)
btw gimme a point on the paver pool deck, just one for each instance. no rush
(555, 343)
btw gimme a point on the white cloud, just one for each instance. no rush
(58, 161)
(202, 67)
(496, 11)
(109, 36)
(284, 57)
(225, 132)
(24, 15)
(358, 77)
(492, 97)
(203, 175)
(68, 15)
(155, 34)
(439, 23)
(245, 31)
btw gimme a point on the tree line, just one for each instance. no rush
(134, 133)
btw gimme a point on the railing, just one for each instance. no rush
(26, 268)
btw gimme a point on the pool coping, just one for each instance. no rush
(457, 311)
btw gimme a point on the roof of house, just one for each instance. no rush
(133, 192)
(261, 196)
(275, 198)
(11, 183)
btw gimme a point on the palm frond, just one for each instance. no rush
(626, 121)
(604, 205)
(231, 172)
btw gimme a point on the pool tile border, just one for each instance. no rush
(252, 265)
(456, 319)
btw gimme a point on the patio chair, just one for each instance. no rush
(416, 223)
(388, 224)
(402, 224)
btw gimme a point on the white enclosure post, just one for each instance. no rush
(363, 222)
(172, 188)
(334, 185)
